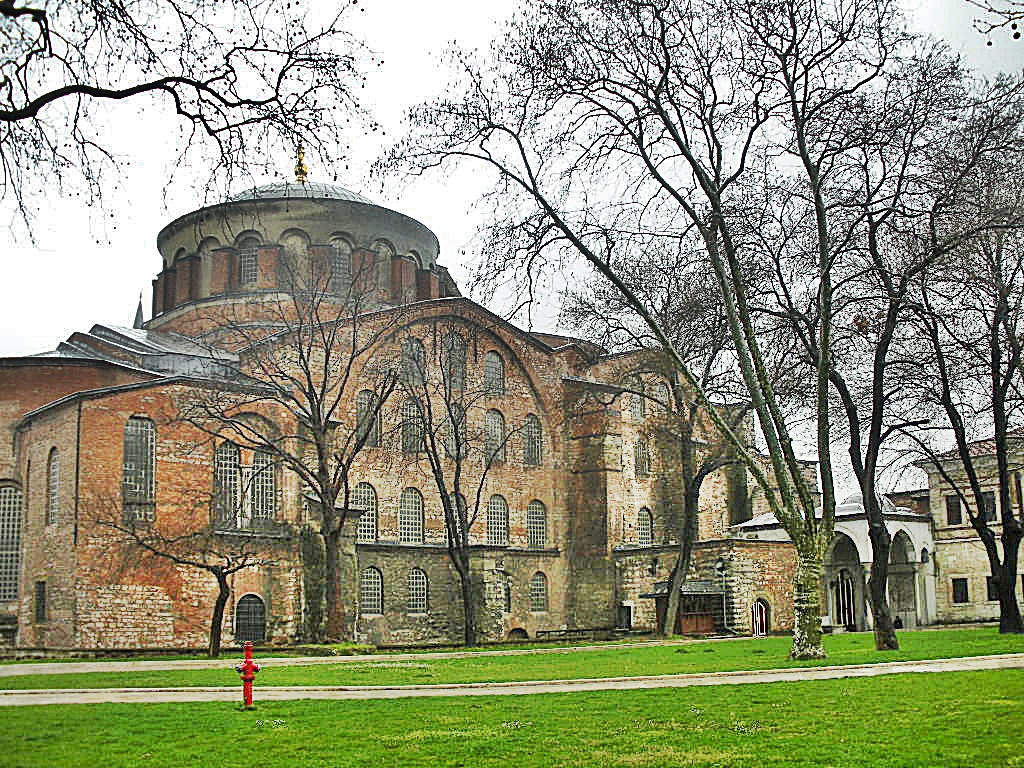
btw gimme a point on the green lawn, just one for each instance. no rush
(943, 719)
(764, 653)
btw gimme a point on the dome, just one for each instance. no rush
(292, 190)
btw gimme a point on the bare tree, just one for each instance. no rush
(295, 399)
(239, 76)
(998, 16)
(674, 114)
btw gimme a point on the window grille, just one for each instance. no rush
(960, 594)
(988, 506)
(139, 469)
(494, 374)
(10, 541)
(642, 458)
(494, 435)
(417, 591)
(371, 592)
(636, 398)
(341, 266)
(412, 427)
(454, 362)
(248, 268)
(497, 521)
(456, 440)
(645, 528)
(533, 441)
(536, 525)
(414, 360)
(227, 479)
(662, 396)
(263, 487)
(410, 517)
(364, 497)
(250, 619)
(53, 488)
(368, 417)
(538, 593)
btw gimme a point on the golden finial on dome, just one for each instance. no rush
(300, 165)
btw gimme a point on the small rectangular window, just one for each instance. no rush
(953, 515)
(625, 617)
(960, 591)
(988, 506)
(991, 594)
(40, 602)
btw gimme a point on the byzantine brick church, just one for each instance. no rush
(579, 508)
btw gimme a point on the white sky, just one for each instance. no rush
(88, 266)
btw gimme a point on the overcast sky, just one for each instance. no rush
(88, 266)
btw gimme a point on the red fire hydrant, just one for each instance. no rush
(247, 669)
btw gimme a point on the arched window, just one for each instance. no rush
(410, 517)
(536, 525)
(494, 434)
(248, 264)
(636, 398)
(53, 487)
(454, 362)
(226, 482)
(139, 468)
(538, 593)
(371, 592)
(644, 528)
(533, 441)
(368, 417)
(364, 497)
(497, 521)
(456, 441)
(341, 266)
(10, 541)
(641, 457)
(461, 514)
(412, 426)
(494, 374)
(662, 396)
(263, 487)
(417, 591)
(414, 360)
(250, 619)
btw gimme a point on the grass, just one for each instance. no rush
(941, 719)
(706, 656)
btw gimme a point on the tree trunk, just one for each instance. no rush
(469, 630)
(885, 631)
(217, 620)
(334, 629)
(807, 605)
(687, 535)
(1009, 611)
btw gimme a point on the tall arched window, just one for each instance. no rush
(10, 541)
(371, 592)
(536, 525)
(494, 373)
(416, 585)
(410, 517)
(637, 407)
(53, 487)
(454, 362)
(662, 396)
(642, 457)
(644, 528)
(341, 266)
(497, 521)
(227, 468)
(139, 468)
(250, 619)
(494, 434)
(368, 417)
(414, 360)
(538, 593)
(412, 426)
(364, 497)
(533, 441)
(263, 487)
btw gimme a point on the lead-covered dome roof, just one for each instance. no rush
(292, 190)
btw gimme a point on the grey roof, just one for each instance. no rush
(291, 190)
(851, 506)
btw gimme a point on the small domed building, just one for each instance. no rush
(575, 498)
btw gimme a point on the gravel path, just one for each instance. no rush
(275, 693)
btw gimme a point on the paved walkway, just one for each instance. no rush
(281, 693)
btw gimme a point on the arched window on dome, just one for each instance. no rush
(248, 261)
(453, 363)
(341, 266)
(494, 374)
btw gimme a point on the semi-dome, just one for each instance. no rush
(291, 190)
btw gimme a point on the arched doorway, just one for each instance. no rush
(250, 619)
(902, 581)
(760, 622)
(844, 577)
(845, 601)
(518, 634)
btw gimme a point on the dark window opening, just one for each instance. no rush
(960, 591)
(250, 620)
(991, 593)
(40, 601)
(953, 514)
(988, 506)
